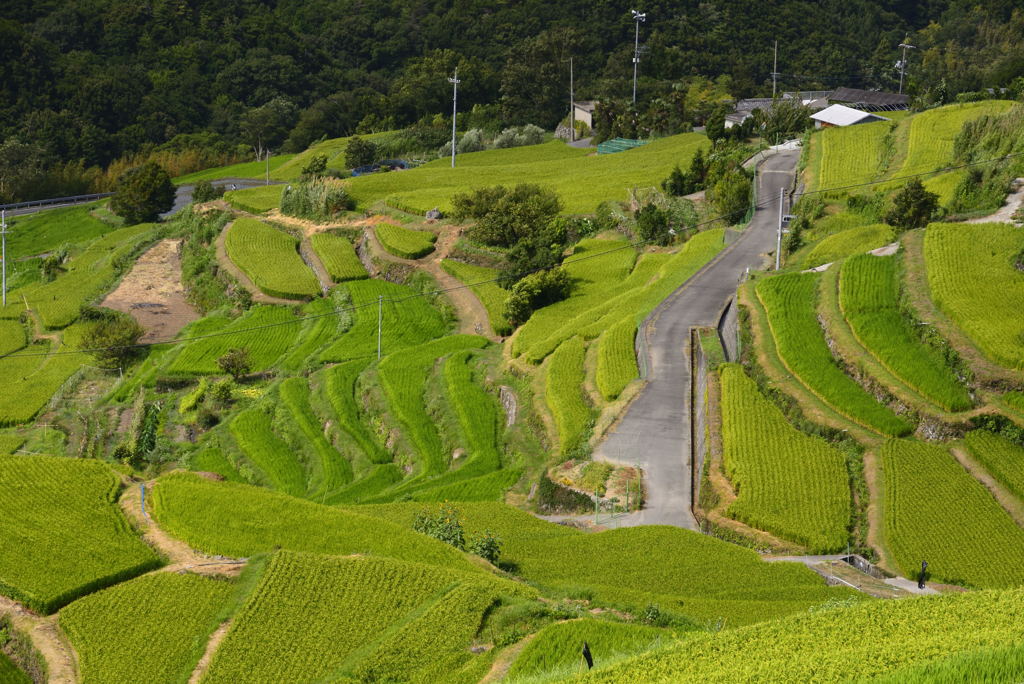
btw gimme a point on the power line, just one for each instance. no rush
(569, 260)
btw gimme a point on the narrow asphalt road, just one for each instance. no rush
(654, 433)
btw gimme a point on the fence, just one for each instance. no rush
(56, 201)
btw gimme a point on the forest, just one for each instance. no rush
(94, 85)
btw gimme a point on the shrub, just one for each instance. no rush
(534, 291)
(235, 362)
(204, 191)
(443, 526)
(360, 152)
(912, 207)
(487, 546)
(504, 216)
(472, 141)
(143, 193)
(317, 199)
(112, 337)
(317, 166)
(652, 225)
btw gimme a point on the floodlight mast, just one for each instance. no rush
(455, 108)
(638, 17)
(903, 62)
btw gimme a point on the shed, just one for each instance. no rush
(840, 115)
(584, 111)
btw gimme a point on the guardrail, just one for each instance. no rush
(74, 199)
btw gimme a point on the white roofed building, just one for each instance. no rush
(840, 115)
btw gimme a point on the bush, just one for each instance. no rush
(487, 546)
(113, 337)
(204, 191)
(443, 526)
(143, 193)
(360, 152)
(518, 137)
(504, 216)
(652, 225)
(534, 291)
(912, 207)
(235, 362)
(472, 141)
(316, 167)
(317, 199)
(730, 195)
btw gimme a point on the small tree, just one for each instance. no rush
(235, 362)
(143, 193)
(316, 167)
(112, 336)
(486, 545)
(534, 291)
(204, 191)
(912, 207)
(715, 126)
(360, 152)
(652, 225)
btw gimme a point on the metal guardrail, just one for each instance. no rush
(74, 199)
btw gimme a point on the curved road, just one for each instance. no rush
(654, 433)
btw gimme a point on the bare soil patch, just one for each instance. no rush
(153, 294)
(46, 638)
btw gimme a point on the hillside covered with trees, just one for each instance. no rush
(87, 84)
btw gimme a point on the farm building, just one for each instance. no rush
(584, 111)
(840, 115)
(869, 100)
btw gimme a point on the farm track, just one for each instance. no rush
(211, 648)
(312, 260)
(47, 639)
(654, 432)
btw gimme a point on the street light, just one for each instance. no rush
(455, 108)
(638, 17)
(903, 62)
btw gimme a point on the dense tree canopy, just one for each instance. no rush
(97, 80)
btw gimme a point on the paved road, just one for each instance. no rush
(655, 431)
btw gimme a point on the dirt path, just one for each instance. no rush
(180, 555)
(473, 318)
(1014, 200)
(211, 647)
(153, 294)
(504, 661)
(239, 275)
(312, 260)
(47, 639)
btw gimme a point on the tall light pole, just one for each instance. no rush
(775, 69)
(3, 239)
(638, 17)
(268, 166)
(903, 62)
(455, 108)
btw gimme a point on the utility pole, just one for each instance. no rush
(572, 105)
(455, 108)
(903, 62)
(778, 242)
(3, 239)
(268, 166)
(775, 69)
(638, 17)
(380, 320)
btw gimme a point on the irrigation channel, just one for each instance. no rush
(654, 432)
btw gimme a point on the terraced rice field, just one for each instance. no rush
(847, 156)
(379, 620)
(271, 259)
(339, 257)
(31, 376)
(973, 281)
(616, 359)
(787, 483)
(407, 320)
(265, 344)
(340, 390)
(869, 293)
(935, 510)
(329, 470)
(790, 301)
(61, 532)
(858, 643)
(157, 624)
(405, 243)
(1003, 459)
(564, 395)
(932, 134)
(847, 243)
(275, 460)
